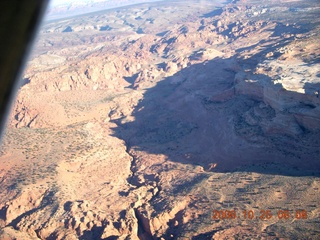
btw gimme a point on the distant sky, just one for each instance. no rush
(83, 6)
(59, 2)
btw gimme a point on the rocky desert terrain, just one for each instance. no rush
(142, 122)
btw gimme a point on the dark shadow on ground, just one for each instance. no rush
(68, 29)
(105, 28)
(194, 117)
(131, 80)
(312, 88)
(214, 13)
(24, 82)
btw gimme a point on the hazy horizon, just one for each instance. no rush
(54, 3)
(61, 8)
